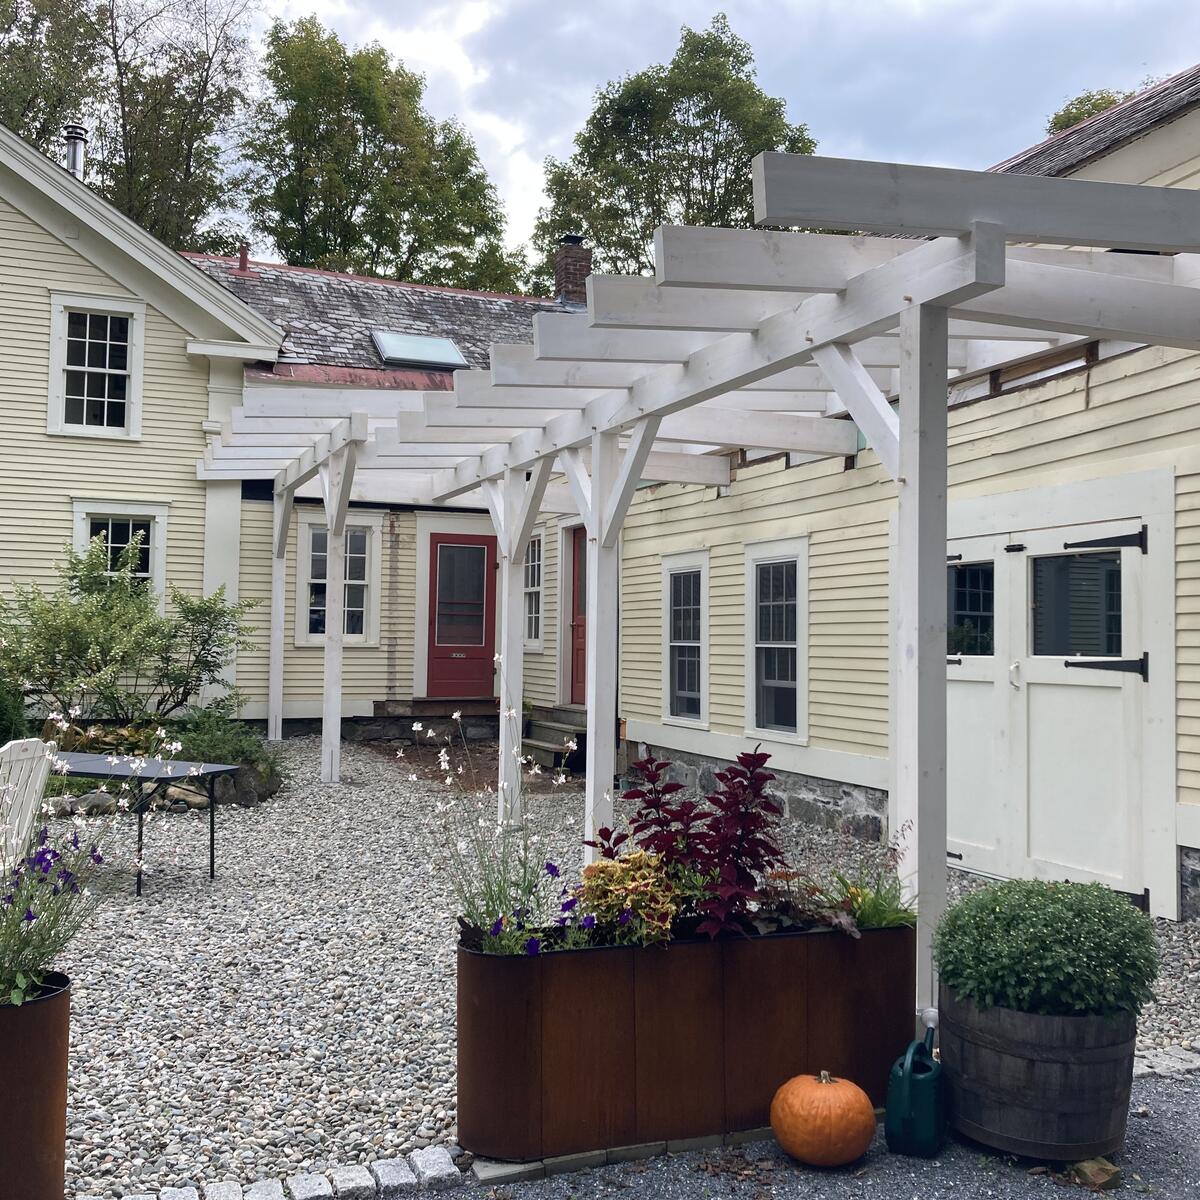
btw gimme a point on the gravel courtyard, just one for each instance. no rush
(298, 1012)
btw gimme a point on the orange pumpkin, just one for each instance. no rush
(823, 1121)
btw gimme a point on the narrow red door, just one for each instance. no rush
(462, 615)
(578, 615)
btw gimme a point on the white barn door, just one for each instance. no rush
(1045, 688)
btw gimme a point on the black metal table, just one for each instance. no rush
(137, 770)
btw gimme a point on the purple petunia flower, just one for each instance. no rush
(625, 917)
(588, 922)
(552, 870)
(533, 946)
(567, 905)
(497, 926)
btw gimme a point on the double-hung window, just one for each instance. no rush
(360, 589)
(119, 524)
(96, 366)
(685, 637)
(776, 639)
(532, 586)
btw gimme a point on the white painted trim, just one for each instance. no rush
(1187, 825)
(429, 523)
(864, 770)
(308, 517)
(535, 645)
(672, 564)
(795, 549)
(84, 507)
(121, 306)
(1148, 496)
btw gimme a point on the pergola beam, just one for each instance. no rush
(842, 193)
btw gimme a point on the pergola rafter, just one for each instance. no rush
(763, 340)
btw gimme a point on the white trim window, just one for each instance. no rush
(532, 576)
(685, 638)
(95, 366)
(362, 587)
(777, 639)
(118, 522)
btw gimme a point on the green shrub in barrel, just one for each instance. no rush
(1041, 984)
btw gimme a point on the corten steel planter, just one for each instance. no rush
(33, 1093)
(593, 1049)
(1043, 1087)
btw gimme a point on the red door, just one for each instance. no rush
(462, 615)
(578, 615)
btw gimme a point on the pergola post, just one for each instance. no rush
(514, 503)
(919, 615)
(603, 562)
(281, 513)
(336, 475)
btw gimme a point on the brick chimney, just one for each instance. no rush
(572, 266)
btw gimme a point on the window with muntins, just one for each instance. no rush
(970, 608)
(685, 605)
(118, 534)
(775, 645)
(356, 587)
(96, 376)
(532, 581)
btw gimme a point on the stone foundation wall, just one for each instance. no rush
(1189, 883)
(846, 807)
(388, 729)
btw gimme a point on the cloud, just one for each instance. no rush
(948, 82)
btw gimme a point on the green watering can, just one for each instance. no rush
(916, 1108)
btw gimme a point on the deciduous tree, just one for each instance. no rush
(671, 144)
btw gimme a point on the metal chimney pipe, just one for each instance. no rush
(76, 139)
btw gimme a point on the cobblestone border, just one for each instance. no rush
(1172, 1060)
(428, 1170)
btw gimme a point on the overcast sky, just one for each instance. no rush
(949, 82)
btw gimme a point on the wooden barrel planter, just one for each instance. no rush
(33, 1093)
(1054, 1088)
(598, 1049)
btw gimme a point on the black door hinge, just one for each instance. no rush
(1139, 539)
(1014, 547)
(1135, 666)
(954, 558)
(954, 854)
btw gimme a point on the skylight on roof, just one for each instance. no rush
(416, 349)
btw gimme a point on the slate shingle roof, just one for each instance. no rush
(328, 317)
(1106, 131)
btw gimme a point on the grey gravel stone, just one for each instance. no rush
(434, 1168)
(265, 1189)
(226, 1190)
(183, 1193)
(394, 1177)
(308, 1187)
(353, 1183)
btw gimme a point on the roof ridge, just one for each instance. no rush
(1081, 129)
(257, 264)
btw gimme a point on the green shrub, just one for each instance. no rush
(12, 713)
(1062, 949)
(211, 735)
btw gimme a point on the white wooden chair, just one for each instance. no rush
(24, 767)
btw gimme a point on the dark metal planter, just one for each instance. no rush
(1055, 1088)
(33, 1093)
(596, 1049)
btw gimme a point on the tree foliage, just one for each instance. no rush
(671, 144)
(50, 67)
(1086, 104)
(349, 172)
(99, 647)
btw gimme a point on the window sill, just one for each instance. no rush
(94, 431)
(349, 642)
(685, 722)
(534, 648)
(777, 737)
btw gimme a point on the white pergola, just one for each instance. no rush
(744, 339)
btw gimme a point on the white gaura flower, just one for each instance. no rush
(417, 727)
(399, 753)
(429, 733)
(456, 716)
(412, 778)
(449, 778)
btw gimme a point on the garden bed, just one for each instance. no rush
(596, 1049)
